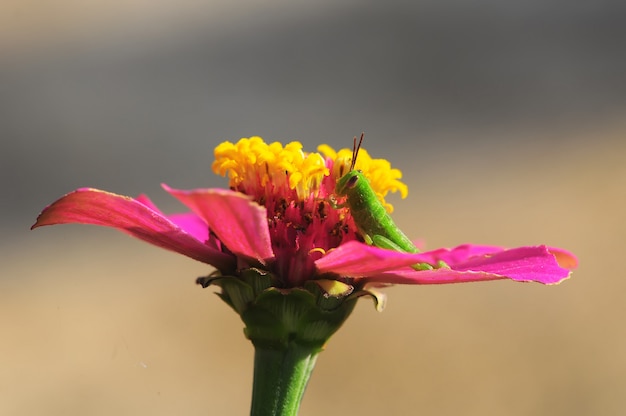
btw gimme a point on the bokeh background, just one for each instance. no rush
(507, 119)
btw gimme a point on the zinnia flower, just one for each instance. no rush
(288, 260)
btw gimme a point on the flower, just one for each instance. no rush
(277, 216)
(290, 260)
(277, 228)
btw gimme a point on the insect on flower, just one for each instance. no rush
(373, 222)
(285, 241)
(280, 218)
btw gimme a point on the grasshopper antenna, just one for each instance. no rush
(355, 150)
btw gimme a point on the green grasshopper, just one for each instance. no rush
(373, 222)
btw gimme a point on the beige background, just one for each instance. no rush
(506, 119)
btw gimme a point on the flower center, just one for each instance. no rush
(296, 188)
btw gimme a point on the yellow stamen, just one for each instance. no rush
(251, 163)
(317, 250)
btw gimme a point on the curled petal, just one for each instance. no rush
(239, 222)
(133, 217)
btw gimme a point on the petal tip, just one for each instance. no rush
(564, 258)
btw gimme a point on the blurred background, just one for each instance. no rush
(507, 119)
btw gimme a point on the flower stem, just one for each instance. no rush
(280, 378)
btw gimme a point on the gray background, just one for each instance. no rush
(505, 117)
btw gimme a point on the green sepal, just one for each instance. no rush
(239, 291)
(279, 317)
(276, 318)
(258, 279)
(236, 293)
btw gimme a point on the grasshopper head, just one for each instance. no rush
(350, 179)
(348, 182)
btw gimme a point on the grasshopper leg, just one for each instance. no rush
(383, 242)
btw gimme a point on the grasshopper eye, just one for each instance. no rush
(352, 181)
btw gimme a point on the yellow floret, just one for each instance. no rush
(251, 163)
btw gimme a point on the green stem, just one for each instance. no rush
(280, 378)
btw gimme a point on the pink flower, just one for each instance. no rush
(291, 260)
(277, 218)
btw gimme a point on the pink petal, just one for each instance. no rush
(93, 206)
(191, 223)
(467, 263)
(409, 276)
(143, 198)
(239, 222)
(461, 253)
(188, 221)
(523, 264)
(361, 260)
